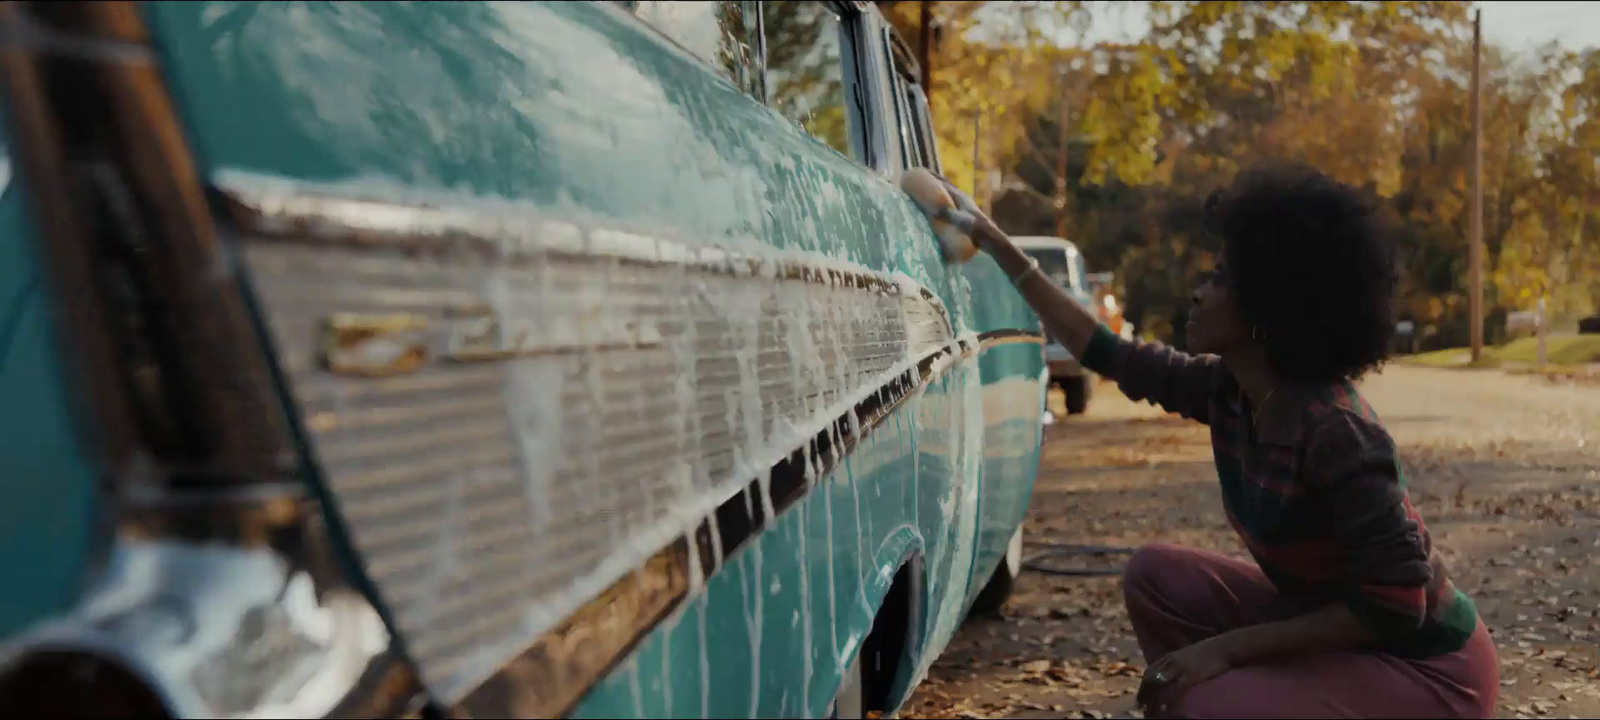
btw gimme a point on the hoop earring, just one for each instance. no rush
(1256, 334)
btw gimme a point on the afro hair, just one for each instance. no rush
(1309, 263)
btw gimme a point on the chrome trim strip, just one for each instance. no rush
(1009, 337)
(281, 210)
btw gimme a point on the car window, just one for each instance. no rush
(1055, 264)
(897, 128)
(806, 69)
(922, 127)
(721, 33)
(905, 125)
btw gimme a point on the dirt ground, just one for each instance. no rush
(1503, 468)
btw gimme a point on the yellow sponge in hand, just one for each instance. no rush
(951, 223)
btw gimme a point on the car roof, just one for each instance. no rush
(1040, 242)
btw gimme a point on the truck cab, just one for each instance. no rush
(1060, 260)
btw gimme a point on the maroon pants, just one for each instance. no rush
(1177, 596)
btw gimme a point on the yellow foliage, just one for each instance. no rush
(1372, 93)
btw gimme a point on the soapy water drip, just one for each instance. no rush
(863, 524)
(663, 680)
(705, 663)
(833, 610)
(636, 684)
(807, 620)
(753, 618)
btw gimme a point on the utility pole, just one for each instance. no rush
(977, 155)
(925, 46)
(1475, 301)
(1064, 137)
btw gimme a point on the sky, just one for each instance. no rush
(1509, 23)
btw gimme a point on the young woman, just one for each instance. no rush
(1346, 611)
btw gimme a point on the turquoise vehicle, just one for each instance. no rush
(489, 360)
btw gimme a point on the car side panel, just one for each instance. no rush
(1014, 384)
(47, 483)
(578, 112)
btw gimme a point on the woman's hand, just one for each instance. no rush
(962, 200)
(1169, 678)
(1331, 629)
(1065, 319)
(984, 232)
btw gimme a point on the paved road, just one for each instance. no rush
(1504, 468)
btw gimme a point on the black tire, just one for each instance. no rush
(994, 595)
(1077, 391)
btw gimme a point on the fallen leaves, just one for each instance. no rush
(1036, 667)
(1514, 507)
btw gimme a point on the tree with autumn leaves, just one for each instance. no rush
(1375, 93)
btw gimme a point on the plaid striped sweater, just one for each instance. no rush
(1315, 492)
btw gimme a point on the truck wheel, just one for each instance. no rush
(1003, 581)
(1077, 392)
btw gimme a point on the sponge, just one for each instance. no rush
(952, 224)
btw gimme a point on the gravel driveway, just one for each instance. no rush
(1504, 469)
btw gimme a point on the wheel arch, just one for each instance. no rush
(891, 630)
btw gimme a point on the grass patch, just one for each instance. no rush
(1561, 350)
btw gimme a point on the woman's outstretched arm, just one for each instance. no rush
(1178, 382)
(1067, 320)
